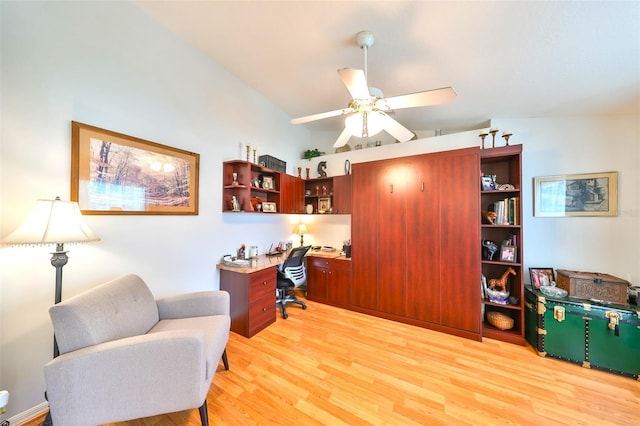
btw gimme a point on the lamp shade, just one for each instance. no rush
(52, 222)
(364, 124)
(302, 229)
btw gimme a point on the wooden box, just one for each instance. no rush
(594, 335)
(593, 286)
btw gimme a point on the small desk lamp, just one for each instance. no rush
(301, 229)
(53, 222)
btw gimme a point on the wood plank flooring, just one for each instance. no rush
(329, 366)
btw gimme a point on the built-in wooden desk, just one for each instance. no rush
(253, 294)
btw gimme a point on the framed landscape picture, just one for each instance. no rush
(112, 173)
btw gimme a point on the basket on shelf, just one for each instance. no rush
(500, 320)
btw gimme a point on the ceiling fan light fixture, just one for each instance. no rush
(364, 124)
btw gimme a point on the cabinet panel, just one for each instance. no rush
(342, 194)
(459, 237)
(329, 280)
(292, 194)
(392, 231)
(423, 217)
(364, 241)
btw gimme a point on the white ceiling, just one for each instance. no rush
(506, 59)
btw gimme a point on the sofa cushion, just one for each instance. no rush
(120, 308)
(215, 331)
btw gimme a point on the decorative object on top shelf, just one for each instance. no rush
(347, 167)
(322, 166)
(541, 276)
(489, 249)
(273, 163)
(483, 134)
(312, 153)
(506, 135)
(299, 172)
(590, 194)
(235, 179)
(248, 150)
(493, 132)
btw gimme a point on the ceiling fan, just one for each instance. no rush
(368, 111)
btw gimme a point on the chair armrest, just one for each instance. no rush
(132, 374)
(198, 304)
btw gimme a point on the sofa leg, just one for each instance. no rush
(225, 361)
(204, 416)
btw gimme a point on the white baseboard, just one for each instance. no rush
(29, 414)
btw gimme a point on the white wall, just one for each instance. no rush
(110, 65)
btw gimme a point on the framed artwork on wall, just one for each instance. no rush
(112, 173)
(590, 194)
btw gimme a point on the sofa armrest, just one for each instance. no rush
(132, 374)
(198, 304)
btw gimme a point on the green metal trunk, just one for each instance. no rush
(594, 335)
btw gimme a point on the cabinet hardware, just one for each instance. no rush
(558, 313)
(391, 186)
(422, 186)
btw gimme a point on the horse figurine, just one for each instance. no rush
(501, 282)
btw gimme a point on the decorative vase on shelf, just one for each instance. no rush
(309, 208)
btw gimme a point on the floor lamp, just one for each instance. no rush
(53, 222)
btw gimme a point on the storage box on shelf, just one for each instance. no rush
(505, 163)
(250, 187)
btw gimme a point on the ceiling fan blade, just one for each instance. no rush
(395, 129)
(320, 116)
(356, 82)
(342, 139)
(444, 95)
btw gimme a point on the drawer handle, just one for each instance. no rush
(264, 283)
(264, 309)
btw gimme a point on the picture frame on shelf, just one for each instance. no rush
(487, 183)
(324, 205)
(589, 194)
(160, 180)
(540, 277)
(508, 254)
(268, 183)
(269, 207)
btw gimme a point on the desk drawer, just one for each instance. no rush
(262, 312)
(323, 262)
(262, 283)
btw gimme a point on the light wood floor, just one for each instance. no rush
(328, 366)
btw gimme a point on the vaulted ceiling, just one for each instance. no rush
(505, 59)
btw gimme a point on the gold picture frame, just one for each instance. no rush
(590, 194)
(269, 207)
(324, 205)
(116, 174)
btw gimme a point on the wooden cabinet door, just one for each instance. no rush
(339, 283)
(392, 237)
(316, 280)
(460, 240)
(342, 194)
(423, 239)
(364, 224)
(292, 194)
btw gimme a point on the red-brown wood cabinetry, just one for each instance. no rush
(415, 233)
(329, 280)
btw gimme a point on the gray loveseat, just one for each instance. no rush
(125, 355)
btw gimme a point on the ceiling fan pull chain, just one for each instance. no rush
(366, 73)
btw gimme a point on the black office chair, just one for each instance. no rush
(291, 274)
